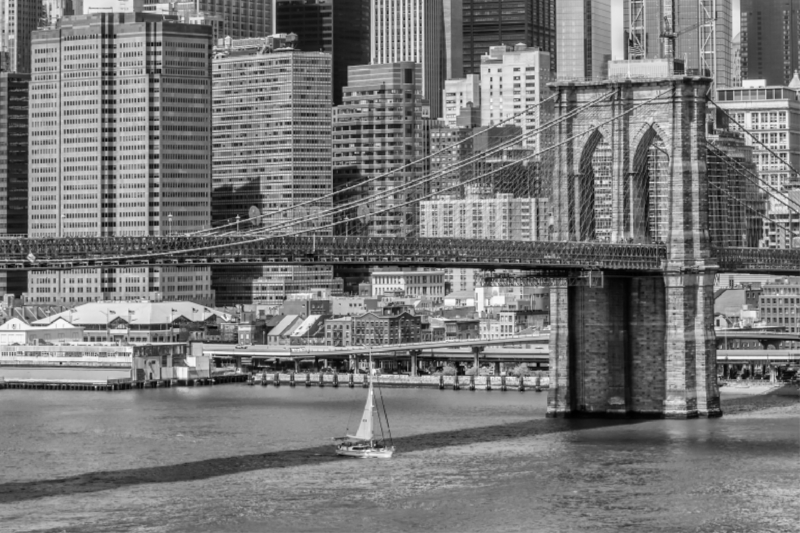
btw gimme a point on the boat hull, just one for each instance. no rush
(366, 453)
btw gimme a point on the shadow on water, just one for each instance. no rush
(210, 468)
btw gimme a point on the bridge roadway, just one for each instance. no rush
(241, 250)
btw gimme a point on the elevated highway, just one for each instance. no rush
(533, 344)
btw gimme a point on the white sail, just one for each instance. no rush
(365, 427)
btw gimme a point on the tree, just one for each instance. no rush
(521, 370)
(449, 370)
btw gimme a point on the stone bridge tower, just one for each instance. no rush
(643, 343)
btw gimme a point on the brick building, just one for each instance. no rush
(375, 329)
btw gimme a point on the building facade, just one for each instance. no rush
(382, 329)
(770, 40)
(272, 157)
(243, 18)
(13, 168)
(120, 145)
(18, 18)
(501, 218)
(692, 22)
(490, 23)
(453, 11)
(583, 39)
(458, 95)
(339, 331)
(779, 304)
(381, 126)
(338, 27)
(513, 80)
(772, 114)
(407, 283)
(412, 30)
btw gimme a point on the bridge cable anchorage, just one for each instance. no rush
(414, 164)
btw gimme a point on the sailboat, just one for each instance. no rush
(363, 444)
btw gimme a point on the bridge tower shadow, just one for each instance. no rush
(642, 344)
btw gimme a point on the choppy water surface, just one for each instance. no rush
(238, 458)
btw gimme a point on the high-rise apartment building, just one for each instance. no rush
(13, 168)
(120, 144)
(412, 30)
(770, 40)
(18, 18)
(583, 39)
(272, 153)
(513, 80)
(451, 149)
(490, 23)
(381, 127)
(701, 33)
(458, 95)
(338, 27)
(500, 218)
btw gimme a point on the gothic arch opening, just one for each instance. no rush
(648, 189)
(593, 194)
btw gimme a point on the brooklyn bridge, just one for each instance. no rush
(644, 193)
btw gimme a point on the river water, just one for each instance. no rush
(238, 458)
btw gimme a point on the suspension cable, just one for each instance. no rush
(412, 164)
(333, 211)
(264, 238)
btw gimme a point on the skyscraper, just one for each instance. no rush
(490, 23)
(770, 40)
(512, 80)
(243, 18)
(120, 128)
(338, 27)
(13, 168)
(272, 153)
(697, 31)
(412, 30)
(379, 128)
(583, 38)
(453, 38)
(18, 18)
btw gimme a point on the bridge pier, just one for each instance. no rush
(638, 346)
(413, 355)
(640, 343)
(476, 356)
